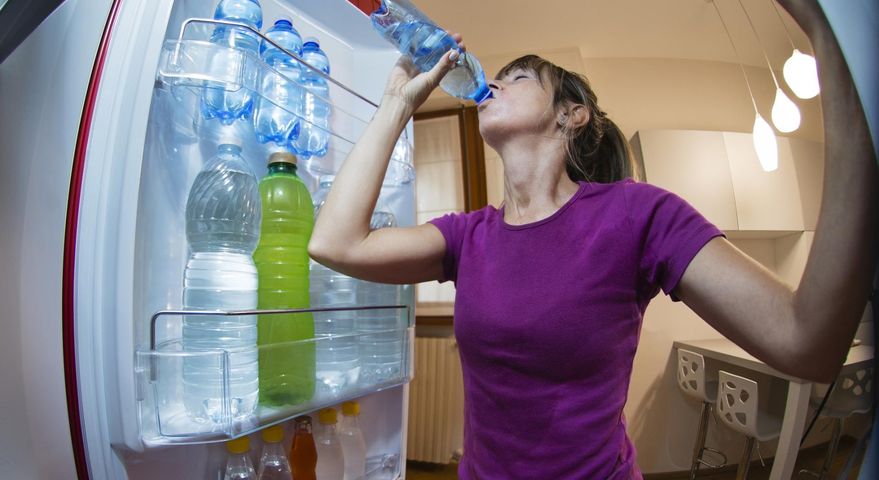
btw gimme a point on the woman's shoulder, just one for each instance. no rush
(630, 190)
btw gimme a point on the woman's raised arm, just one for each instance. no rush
(806, 332)
(341, 238)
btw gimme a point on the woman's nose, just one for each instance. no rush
(494, 85)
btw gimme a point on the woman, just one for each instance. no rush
(552, 287)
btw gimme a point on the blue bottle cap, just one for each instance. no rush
(311, 42)
(483, 94)
(283, 22)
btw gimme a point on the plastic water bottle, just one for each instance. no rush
(418, 37)
(314, 136)
(381, 331)
(276, 108)
(286, 362)
(273, 463)
(353, 444)
(338, 362)
(238, 465)
(330, 459)
(232, 101)
(303, 453)
(222, 228)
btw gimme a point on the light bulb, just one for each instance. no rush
(765, 144)
(801, 75)
(785, 114)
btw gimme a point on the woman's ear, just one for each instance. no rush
(574, 117)
(578, 116)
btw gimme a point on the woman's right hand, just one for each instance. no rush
(408, 87)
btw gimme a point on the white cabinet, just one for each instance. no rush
(692, 164)
(719, 174)
(764, 201)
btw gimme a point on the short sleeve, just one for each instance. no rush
(453, 227)
(670, 232)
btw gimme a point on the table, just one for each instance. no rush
(798, 393)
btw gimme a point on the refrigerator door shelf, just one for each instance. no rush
(186, 68)
(160, 375)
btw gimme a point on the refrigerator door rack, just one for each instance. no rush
(160, 382)
(185, 67)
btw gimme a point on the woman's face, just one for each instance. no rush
(521, 105)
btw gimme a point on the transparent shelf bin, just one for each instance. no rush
(161, 392)
(186, 68)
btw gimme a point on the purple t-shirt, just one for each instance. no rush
(547, 319)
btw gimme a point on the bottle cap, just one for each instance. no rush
(282, 157)
(327, 416)
(284, 21)
(238, 445)
(302, 420)
(273, 434)
(350, 408)
(311, 41)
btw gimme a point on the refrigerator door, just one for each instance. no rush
(146, 142)
(43, 85)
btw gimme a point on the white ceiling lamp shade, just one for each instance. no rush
(800, 70)
(765, 144)
(801, 75)
(785, 115)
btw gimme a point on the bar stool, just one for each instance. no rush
(738, 407)
(692, 380)
(852, 393)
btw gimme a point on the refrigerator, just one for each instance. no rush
(102, 136)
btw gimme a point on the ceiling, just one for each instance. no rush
(679, 29)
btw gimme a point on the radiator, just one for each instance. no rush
(436, 402)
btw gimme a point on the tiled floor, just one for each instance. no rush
(811, 459)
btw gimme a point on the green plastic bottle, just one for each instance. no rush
(286, 364)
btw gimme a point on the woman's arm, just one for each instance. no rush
(806, 332)
(341, 238)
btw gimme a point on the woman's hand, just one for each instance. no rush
(408, 87)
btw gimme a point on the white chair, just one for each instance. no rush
(739, 408)
(692, 380)
(852, 393)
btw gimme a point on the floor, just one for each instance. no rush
(811, 458)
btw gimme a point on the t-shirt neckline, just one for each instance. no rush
(548, 219)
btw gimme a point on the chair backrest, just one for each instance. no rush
(691, 373)
(737, 402)
(853, 391)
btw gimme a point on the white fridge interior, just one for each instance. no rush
(147, 143)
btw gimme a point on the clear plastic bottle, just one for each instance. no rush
(228, 102)
(238, 465)
(380, 332)
(273, 463)
(418, 37)
(314, 136)
(353, 444)
(286, 371)
(338, 362)
(330, 459)
(276, 109)
(222, 228)
(303, 452)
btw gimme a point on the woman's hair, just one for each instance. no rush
(596, 151)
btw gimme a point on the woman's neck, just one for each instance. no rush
(536, 183)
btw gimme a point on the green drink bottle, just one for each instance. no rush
(286, 367)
